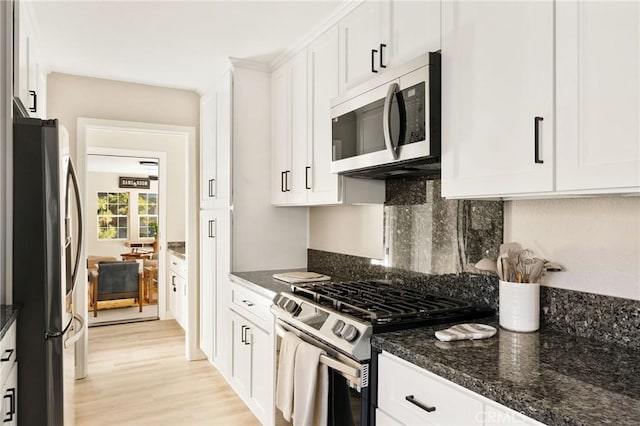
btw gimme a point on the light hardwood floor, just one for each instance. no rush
(138, 375)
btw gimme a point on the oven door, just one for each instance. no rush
(348, 399)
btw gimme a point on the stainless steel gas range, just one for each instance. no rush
(341, 317)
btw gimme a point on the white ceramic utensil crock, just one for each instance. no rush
(519, 306)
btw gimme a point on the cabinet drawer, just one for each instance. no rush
(178, 265)
(7, 352)
(383, 419)
(410, 393)
(250, 302)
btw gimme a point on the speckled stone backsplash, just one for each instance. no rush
(425, 233)
(476, 288)
(610, 319)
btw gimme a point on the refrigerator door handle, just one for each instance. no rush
(76, 189)
(76, 336)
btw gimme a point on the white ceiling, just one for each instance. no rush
(180, 44)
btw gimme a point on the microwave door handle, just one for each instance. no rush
(386, 121)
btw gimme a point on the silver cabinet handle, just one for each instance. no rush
(419, 404)
(212, 191)
(386, 121)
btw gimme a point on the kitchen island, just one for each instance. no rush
(549, 376)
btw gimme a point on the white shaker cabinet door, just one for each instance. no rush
(497, 98)
(224, 121)
(414, 29)
(296, 179)
(280, 134)
(598, 95)
(208, 254)
(323, 86)
(359, 37)
(207, 150)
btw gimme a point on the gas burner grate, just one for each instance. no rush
(381, 303)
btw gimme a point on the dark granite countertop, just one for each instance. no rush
(555, 378)
(8, 315)
(264, 280)
(178, 248)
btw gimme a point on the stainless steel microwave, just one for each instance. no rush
(390, 125)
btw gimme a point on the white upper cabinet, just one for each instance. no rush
(29, 83)
(323, 185)
(301, 144)
(280, 134)
(207, 149)
(413, 30)
(289, 131)
(215, 145)
(379, 35)
(360, 44)
(598, 95)
(497, 98)
(297, 179)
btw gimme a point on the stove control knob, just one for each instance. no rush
(350, 333)
(290, 306)
(337, 327)
(281, 301)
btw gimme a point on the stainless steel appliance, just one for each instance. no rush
(46, 200)
(341, 318)
(390, 125)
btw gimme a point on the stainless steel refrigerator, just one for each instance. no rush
(47, 238)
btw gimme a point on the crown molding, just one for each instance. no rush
(317, 31)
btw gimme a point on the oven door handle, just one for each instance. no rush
(353, 373)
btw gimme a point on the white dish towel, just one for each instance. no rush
(284, 380)
(311, 387)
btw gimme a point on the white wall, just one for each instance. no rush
(597, 240)
(108, 182)
(70, 97)
(174, 146)
(354, 230)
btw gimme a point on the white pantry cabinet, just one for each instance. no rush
(598, 95)
(215, 253)
(247, 233)
(410, 395)
(215, 145)
(379, 35)
(253, 346)
(497, 98)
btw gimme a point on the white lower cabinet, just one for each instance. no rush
(9, 377)
(252, 373)
(411, 395)
(177, 289)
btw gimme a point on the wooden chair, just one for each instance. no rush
(116, 280)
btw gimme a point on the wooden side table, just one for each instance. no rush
(136, 255)
(150, 277)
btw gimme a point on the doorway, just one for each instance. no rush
(124, 206)
(168, 144)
